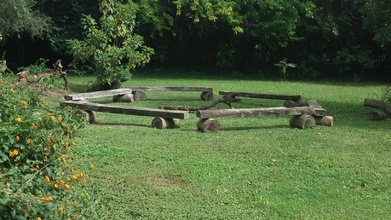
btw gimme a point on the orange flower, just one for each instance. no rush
(53, 138)
(23, 102)
(28, 140)
(52, 117)
(45, 159)
(92, 165)
(34, 125)
(17, 138)
(19, 119)
(47, 178)
(14, 153)
(59, 119)
(12, 90)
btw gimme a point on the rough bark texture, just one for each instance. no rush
(208, 125)
(377, 115)
(162, 123)
(207, 95)
(325, 120)
(302, 121)
(139, 96)
(378, 104)
(123, 98)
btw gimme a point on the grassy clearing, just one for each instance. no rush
(255, 168)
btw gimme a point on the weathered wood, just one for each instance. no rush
(292, 103)
(264, 96)
(207, 95)
(378, 104)
(254, 112)
(90, 116)
(302, 121)
(139, 96)
(169, 88)
(208, 125)
(126, 110)
(123, 98)
(162, 123)
(377, 115)
(319, 110)
(227, 99)
(324, 120)
(97, 94)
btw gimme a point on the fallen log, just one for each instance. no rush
(255, 112)
(208, 125)
(265, 96)
(377, 115)
(97, 94)
(227, 99)
(206, 95)
(292, 103)
(378, 104)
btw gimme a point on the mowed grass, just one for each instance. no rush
(254, 168)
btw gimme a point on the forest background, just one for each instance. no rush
(345, 39)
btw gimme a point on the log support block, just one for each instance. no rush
(162, 123)
(124, 98)
(377, 115)
(302, 121)
(208, 125)
(207, 95)
(324, 120)
(139, 96)
(90, 116)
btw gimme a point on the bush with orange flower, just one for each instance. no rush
(37, 180)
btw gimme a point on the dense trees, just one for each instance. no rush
(328, 38)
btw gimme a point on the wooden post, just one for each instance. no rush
(377, 115)
(302, 121)
(139, 96)
(208, 125)
(162, 123)
(207, 95)
(324, 120)
(88, 115)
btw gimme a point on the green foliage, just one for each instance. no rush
(283, 66)
(18, 17)
(37, 177)
(111, 49)
(39, 66)
(386, 95)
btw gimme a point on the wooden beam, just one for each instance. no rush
(255, 112)
(169, 88)
(126, 110)
(264, 96)
(319, 110)
(97, 94)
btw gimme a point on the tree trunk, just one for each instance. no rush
(208, 125)
(303, 121)
(377, 115)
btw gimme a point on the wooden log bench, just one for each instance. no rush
(301, 117)
(384, 109)
(163, 118)
(291, 100)
(119, 95)
(138, 91)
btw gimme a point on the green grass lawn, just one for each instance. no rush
(254, 168)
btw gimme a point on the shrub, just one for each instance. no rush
(37, 179)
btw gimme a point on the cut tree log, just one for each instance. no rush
(126, 110)
(123, 98)
(162, 123)
(139, 96)
(324, 120)
(378, 104)
(90, 116)
(292, 103)
(208, 125)
(206, 95)
(303, 121)
(377, 115)
(265, 96)
(227, 99)
(255, 112)
(97, 94)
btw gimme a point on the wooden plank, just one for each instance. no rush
(126, 110)
(97, 94)
(264, 96)
(169, 88)
(255, 112)
(319, 110)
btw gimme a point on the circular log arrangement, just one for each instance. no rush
(303, 121)
(208, 125)
(162, 123)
